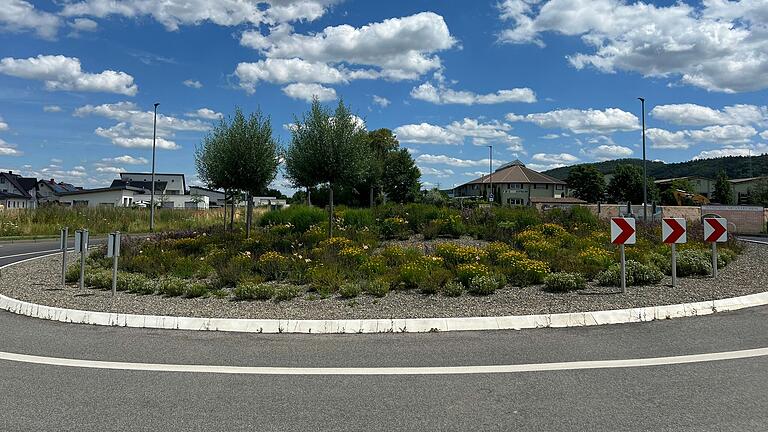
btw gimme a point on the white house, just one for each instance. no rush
(48, 190)
(165, 184)
(17, 191)
(121, 196)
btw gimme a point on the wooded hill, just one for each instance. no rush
(734, 166)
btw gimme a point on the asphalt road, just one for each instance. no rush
(719, 395)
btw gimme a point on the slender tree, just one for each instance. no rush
(401, 177)
(722, 193)
(327, 148)
(627, 185)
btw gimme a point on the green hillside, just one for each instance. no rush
(734, 166)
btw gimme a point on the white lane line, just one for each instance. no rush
(33, 253)
(450, 370)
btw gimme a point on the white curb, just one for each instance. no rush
(408, 325)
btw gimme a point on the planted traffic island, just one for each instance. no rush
(393, 262)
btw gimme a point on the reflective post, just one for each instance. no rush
(63, 245)
(113, 250)
(714, 259)
(623, 271)
(674, 265)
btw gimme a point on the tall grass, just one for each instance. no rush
(100, 220)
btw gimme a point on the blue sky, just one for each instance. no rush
(551, 82)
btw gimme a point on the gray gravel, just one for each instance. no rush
(38, 282)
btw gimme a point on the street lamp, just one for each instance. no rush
(490, 172)
(152, 192)
(645, 167)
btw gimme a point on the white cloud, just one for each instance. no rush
(729, 134)
(283, 71)
(442, 95)
(21, 16)
(733, 151)
(425, 133)
(52, 108)
(582, 121)
(83, 25)
(7, 149)
(381, 101)
(451, 161)
(718, 45)
(550, 136)
(3, 125)
(65, 73)
(134, 127)
(764, 135)
(110, 169)
(434, 172)
(476, 173)
(398, 48)
(206, 114)
(555, 158)
(128, 160)
(174, 13)
(664, 139)
(696, 115)
(306, 92)
(193, 83)
(607, 152)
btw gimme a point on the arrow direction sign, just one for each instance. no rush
(623, 231)
(715, 230)
(673, 230)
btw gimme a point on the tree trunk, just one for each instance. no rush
(232, 214)
(309, 197)
(330, 211)
(225, 209)
(249, 216)
(371, 196)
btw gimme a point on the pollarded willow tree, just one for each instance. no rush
(327, 147)
(239, 154)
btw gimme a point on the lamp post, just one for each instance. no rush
(490, 172)
(152, 192)
(645, 167)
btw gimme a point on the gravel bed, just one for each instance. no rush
(38, 282)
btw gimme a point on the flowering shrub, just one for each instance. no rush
(485, 284)
(465, 272)
(334, 245)
(595, 256)
(453, 289)
(522, 270)
(350, 290)
(564, 282)
(637, 274)
(454, 254)
(377, 287)
(495, 249)
(395, 228)
(253, 291)
(353, 255)
(552, 230)
(273, 266)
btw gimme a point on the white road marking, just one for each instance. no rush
(33, 253)
(449, 370)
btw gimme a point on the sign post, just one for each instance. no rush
(715, 231)
(63, 238)
(113, 251)
(81, 246)
(673, 231)
(623, 232)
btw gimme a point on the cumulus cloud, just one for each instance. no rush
(718, 45)
(733, 151)
(764, 135)
(21, 16)
(607, 152)
(307, 92)
(65, 73)
(394, 49)
(381, 101)
(3, 125)
(175, 13)
(451, 161)
(697, 115)
(555, 158)
(434, 172)
(7, 149)
(664, 139)
(83, 25)
(493, 132)
(134, 127)
(582, 121)
(127, 159)
(110, 169)
(727, 134)
(52, 108)
(206, 114)
(193, 84)
(442, 95)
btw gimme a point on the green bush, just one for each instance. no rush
(230, 269)
(273, 265)
(395, 228)
(358, 218)
(253, 291)
(134, 283)
(350, 290)
(171, 286)
(433, 280)
(452, 289)
(326, 279)
(299, 217)
(564, 282)
(377, 287)
(195, 289)
(484, 284)
(466, 272)
(287, 292)
(694, 262)
(98, 278)
(72, 274)
(637, 274)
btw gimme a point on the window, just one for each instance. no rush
(559, 187)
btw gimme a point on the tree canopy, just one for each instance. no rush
(401, 177)
(587, 183)
(723, 194)
(627, 185)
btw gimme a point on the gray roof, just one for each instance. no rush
(516, 172)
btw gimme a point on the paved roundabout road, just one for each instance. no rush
(652, 376)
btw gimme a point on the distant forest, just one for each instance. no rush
(734, 166)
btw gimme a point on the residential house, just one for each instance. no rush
(513, 184)
(48, 190)
(701, 185)
(743, 187)
(170, 190)
(113, 196)
(17, 191)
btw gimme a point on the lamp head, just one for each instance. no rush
(156, 104)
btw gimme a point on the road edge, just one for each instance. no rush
(405, 325)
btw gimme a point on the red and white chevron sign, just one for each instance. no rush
(623, 231)
(715, 230)
(673, 230)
